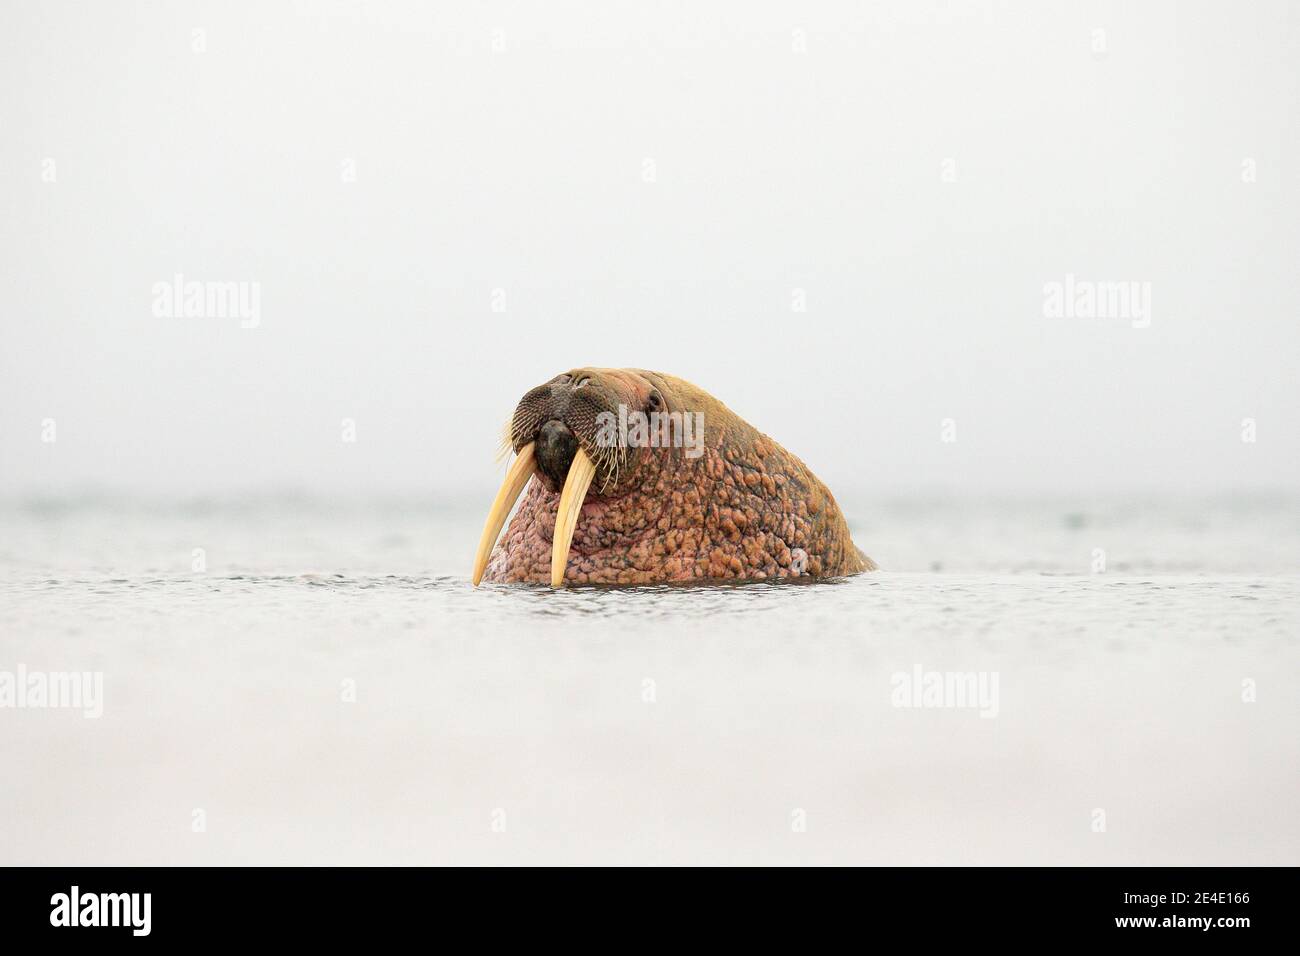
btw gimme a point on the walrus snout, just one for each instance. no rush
(556, 446)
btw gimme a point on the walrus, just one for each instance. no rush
(642, 478)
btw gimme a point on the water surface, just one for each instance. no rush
(321, 681)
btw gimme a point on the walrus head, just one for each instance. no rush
(565, 416)
(643, 478)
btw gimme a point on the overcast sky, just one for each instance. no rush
(840, 221)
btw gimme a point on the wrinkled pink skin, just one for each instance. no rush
(745, 510)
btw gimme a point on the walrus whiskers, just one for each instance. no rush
(521, 469)
(609, 460)
(566, 516)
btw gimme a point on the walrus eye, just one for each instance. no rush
(654, 402)
(582, 381)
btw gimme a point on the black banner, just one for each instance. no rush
(335, 906)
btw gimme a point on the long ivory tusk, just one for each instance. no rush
(566, 516)
(521, 469)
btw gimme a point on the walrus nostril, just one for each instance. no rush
(556, 446)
